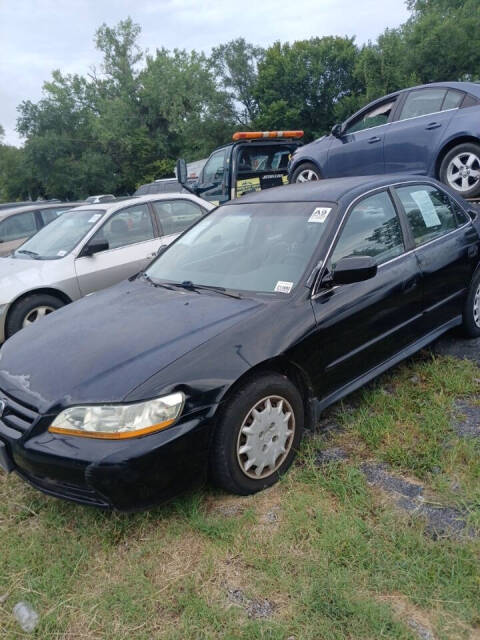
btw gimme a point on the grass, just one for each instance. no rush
(333, 557)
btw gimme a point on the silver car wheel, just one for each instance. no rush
(307, 175)
(463, 171)
(476, 307)
(265, 437)
(35, 314)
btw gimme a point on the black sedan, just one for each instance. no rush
(236, 338)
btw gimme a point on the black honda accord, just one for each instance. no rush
(236, 338)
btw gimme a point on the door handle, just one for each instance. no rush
(374, 139)
(433, 125)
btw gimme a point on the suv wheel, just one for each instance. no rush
(460, 169)
(306, 173)
(257, 435)
(30, 310)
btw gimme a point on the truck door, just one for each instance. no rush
(213, 182)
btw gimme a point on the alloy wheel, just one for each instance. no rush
(476, 307)
(463, 171)
(265, 437)
(35, 314)
(307, 175)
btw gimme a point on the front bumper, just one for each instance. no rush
(125, 475)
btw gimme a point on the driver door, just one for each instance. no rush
(132, 246)
(214, 177)
(359, 149)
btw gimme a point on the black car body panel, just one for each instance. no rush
(138, 341)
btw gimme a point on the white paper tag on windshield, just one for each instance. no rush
(319, 214)
(61, 253)
(283, 287)
(427, 208)
(94, 218)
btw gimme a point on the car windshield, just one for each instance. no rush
(62, 235)
(251, 247)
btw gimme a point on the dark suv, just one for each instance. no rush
(429, 130)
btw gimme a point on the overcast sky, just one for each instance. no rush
(37, 36)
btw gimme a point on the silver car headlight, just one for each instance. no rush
(119, 421)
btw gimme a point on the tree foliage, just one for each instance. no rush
(128, 121)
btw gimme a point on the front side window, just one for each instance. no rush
(18, 226)
(372, 229)
(372, 118)
(422, 102)
(174, 216)
(429, 211)
(263, 247)
(215, 167)
(125, 227)
(61, 236)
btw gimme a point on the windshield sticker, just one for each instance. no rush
(319, 214)
(249, 184)
(427, 208)
(94, 218)
(61, 253)
(283, 287)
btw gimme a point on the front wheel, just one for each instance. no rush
(460, 169)
(306, 172)
(31, 309)
(258, 434)
(471, 311)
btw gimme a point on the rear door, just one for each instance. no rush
(362, 325)
(446, 249)
(133, 243)
(359, 150)
(412, 140)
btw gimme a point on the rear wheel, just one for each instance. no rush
(306, 172)
(471, 311)
(31, 309)
(460, 169)
(258, 434)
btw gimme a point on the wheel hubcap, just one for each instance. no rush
(35, 314)
(463, 172)
(265, 437)
(306, 176)
(476, 307)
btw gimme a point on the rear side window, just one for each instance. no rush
(372, 229)
(125, 227)
(453, 99)
(174, 216)
(422, 102)
(18, 226)
(430, 212)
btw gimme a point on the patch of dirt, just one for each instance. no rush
(378, 475)
(414, 617)
(466, 422)
(333, 454)
(255, 608)
(453, 345)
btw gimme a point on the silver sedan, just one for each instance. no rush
(86, 249)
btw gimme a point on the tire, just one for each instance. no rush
(303, 171)
(233, 470)
(460, 169)
(23, 312)
(471, 310)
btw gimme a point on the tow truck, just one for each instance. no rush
(253, 161)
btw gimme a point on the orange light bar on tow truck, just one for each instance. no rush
(255, 135)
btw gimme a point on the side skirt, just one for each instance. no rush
(321, 404)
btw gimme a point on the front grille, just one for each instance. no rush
(16, 415)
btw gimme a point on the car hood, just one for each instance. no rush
(19, 275)
(101, 347)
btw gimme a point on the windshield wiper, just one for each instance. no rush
(156, 284)
(189, 285)
(29, 253)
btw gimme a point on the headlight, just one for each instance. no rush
(119, 421)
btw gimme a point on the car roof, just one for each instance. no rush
(115, 205)
(469, 87)
(330, 189)
(34, 206)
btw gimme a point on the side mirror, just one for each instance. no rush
(95, 247)
(337, 130)
(354, 269)
(181, 171)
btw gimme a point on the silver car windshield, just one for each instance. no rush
(59, 237)
(252, 247)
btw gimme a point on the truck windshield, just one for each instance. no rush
(246, 247)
